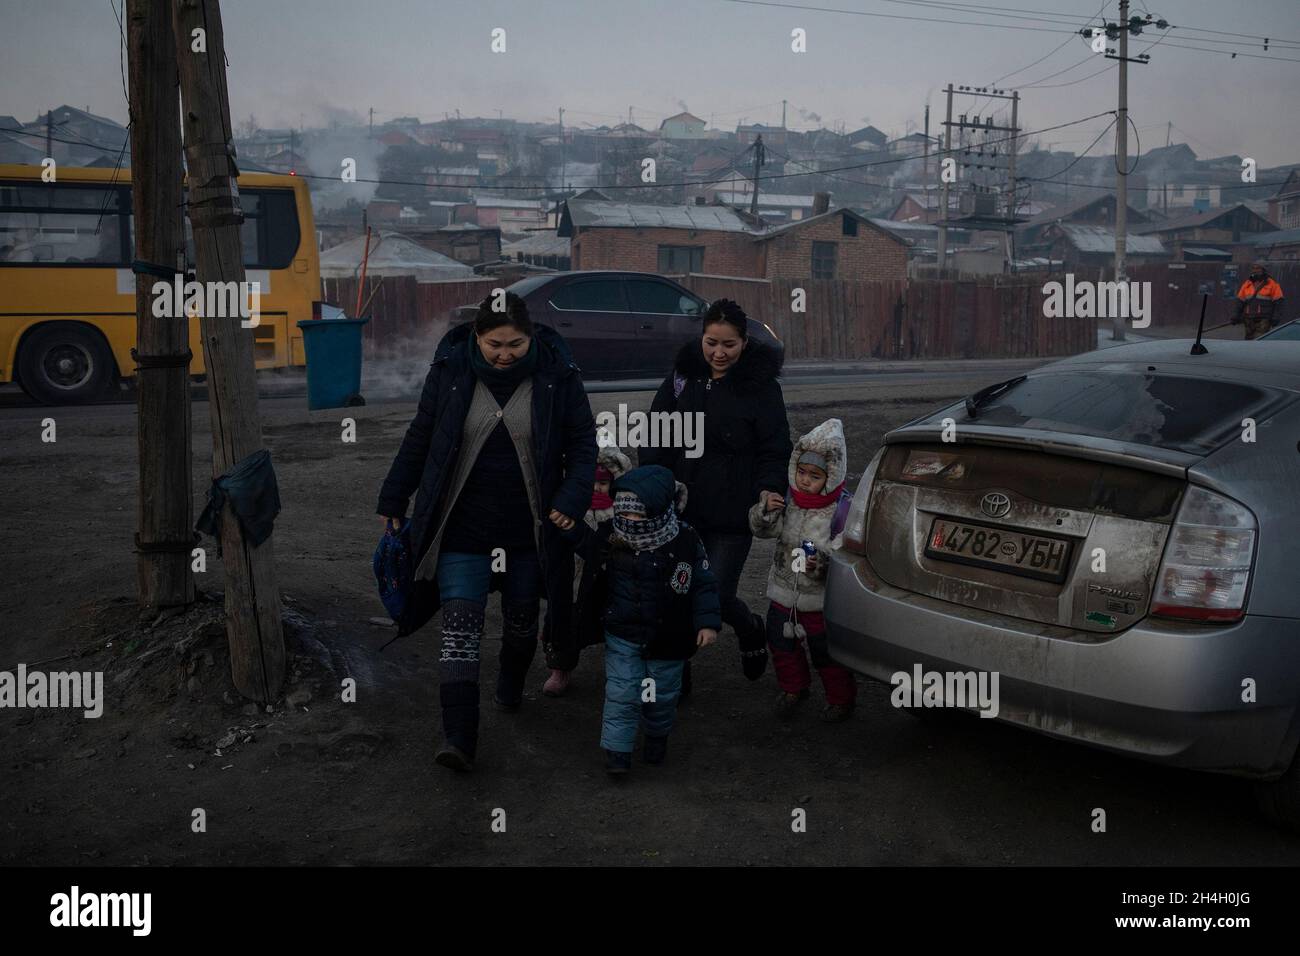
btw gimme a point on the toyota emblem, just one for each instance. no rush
(995, 504)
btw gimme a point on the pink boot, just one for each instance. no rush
(557, 684)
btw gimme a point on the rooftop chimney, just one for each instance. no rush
(821, 203)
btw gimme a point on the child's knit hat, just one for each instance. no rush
(647, 490)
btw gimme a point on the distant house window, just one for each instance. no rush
(679, 260)
(1202, 192)
(1178, 192)
(850, 226)
(823, 260)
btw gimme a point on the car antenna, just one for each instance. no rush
(1197, 347)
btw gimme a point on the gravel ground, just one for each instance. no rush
(316, 780)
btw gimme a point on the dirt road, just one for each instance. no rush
(316, 780)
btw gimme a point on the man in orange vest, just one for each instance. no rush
(1259, 300)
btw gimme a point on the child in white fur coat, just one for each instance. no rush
(796, 581)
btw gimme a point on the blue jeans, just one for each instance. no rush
(625, 669)
(463, 583)
(467, 577)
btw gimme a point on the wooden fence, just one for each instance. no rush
(893, 319)
(905, 318)
(1176, 292)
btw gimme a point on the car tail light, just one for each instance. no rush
(315, 309)
(1206, 569)
(855, 525)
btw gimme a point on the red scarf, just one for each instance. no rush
(805, 500)
(601, 502)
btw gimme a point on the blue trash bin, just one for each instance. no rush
(333, 348)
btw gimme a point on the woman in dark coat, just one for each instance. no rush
(501, 456)
(732, 379)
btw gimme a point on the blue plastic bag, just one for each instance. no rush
(393, 571)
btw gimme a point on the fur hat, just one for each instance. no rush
(826, 441)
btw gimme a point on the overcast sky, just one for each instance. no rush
(307, 61)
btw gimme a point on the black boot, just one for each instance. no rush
(518, 645)
(753, 647)
(617, 763)
(654, 750)
(459, 724)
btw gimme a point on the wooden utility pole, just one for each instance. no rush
(759, 159)
(257, 656)
(942, 256)
(165, 514)
(1121, 172)
(1012, 201)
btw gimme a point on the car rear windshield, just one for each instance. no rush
(1180, 413)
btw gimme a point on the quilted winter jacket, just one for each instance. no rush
(564, 452)
(746, 434)
(800, 590)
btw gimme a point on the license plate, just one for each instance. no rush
(1003, 549)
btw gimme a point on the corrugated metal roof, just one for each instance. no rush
(542, 244)
(391, 254)
(498, 202)
(767, 199)
(1088, 238)
(1283, 237)
(593, 212)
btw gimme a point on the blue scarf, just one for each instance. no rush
(647, 534)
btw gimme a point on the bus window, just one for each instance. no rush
(62, 226)
(269, 235)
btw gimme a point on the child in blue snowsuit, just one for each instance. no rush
(661, 605)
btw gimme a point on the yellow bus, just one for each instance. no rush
(67, 292)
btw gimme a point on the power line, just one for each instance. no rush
(1235, 53)
(1056, 15)
(905, 159)
(1221, 187)
(895, 16)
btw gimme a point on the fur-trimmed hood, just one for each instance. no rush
(827, 440)
(611, 457)
(759, 363)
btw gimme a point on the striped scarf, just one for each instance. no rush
(647, 534)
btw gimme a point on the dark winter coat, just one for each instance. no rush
(564, 453)
(659, 599)
(746, 434)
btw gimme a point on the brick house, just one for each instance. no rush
(721, 240)
(837, 244)
(663, 239)
(1204, 235)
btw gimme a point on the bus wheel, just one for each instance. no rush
(63, 363)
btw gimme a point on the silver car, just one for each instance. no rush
(1116, 537)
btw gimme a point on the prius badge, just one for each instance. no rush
(995, 504)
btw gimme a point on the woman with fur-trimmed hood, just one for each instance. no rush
(804, 522)
(731, 378)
